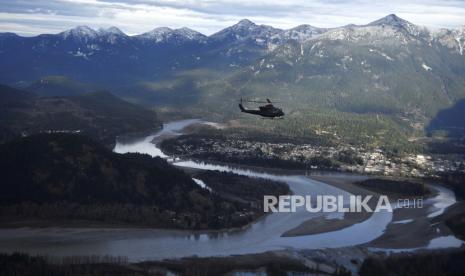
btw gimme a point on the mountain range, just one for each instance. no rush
(389, 66)
(108, 54)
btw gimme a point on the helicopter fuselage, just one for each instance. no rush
(268, 111)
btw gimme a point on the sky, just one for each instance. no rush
(33, 17)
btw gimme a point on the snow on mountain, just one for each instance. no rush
(107, 55)
(163, 34)
(157, 34)
(453, 39)
(459, 35)
(112, 30)
(302, 33)
(80, 32)
(393, 20)
(86, 34)
(426, 67)
(390, 20)
(369, 33)
(112, 35)
(390, 29)
(189, 34)
(84, 42)
(246, 30)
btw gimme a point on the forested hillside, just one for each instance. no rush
(99, 115)
(71, 177)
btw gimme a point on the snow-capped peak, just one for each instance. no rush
(189, 33)
(111, 30)
(390, 20)
(86, 34)
(302, 32)
(157, 34)
(245, 29)
(80, 32)
(160, 30)
(304, 28)
(111, 35)
(163, 33)
(398, 23)
(245, 23)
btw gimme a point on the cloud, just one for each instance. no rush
(208, 16)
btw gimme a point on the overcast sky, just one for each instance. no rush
(31, 17)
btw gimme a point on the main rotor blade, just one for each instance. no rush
(251, 101)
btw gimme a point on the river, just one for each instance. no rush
(149, 244)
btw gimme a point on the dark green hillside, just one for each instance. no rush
(372, 91)
(368, 85)
(13, 103)
(60, 86)
(11, 97)
(395, 186)
(67, 167)
(116, 112)
(99, 115)
(352, 77)
(425, 263)
(67, 177)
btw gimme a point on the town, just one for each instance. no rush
(342, 157)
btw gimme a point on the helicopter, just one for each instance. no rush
(268, 110)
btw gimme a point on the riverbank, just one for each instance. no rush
(271, 263)
(409, 228)
(325, 224)
(346, 182)
(156, 244)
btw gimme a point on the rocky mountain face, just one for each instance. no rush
(167, 35)
(388, 65)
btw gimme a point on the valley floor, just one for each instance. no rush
(408, 229)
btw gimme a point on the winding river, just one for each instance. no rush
(148, 244)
